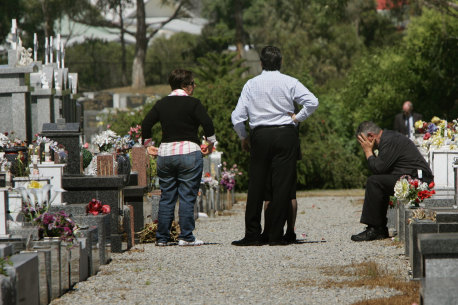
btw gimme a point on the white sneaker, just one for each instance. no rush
(161, 244)
(190, 243)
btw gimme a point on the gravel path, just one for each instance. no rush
(225, 274)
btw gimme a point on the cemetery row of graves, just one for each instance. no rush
(66, 206)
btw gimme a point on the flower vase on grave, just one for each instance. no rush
(124, 166)
(17, 156)
(47, 153)
(35, 170)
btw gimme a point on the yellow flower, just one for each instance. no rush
(34, 185)
(435, 120)
(418, 124)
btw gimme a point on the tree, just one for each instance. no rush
(444, 6)
(143, 34)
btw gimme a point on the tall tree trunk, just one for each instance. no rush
(138, 74)
(48, 22)
(238, 27)
(123, 48)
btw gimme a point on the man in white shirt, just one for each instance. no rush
(267, 102)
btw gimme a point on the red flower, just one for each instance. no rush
(427, 136)
(208, 174)
(415, 183)
(431, 185)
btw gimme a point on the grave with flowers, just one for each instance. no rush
(217, 186)
(418, 217)
(438, 140)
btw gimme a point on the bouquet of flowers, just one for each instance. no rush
(124, 143)
(105, 140)
(8, 140)
(209, 181)
(135, 133)
(4, 141)
(437, 133)
(411, 191)
(95, 207)
(35, 199)
(57, 225)
(228, 176)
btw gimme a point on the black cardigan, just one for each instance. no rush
(180, 118)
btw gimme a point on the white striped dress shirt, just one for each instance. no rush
(268, 99)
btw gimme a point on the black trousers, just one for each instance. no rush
(379, 188)
(273, 157)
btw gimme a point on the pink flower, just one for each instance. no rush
(86, 145)
(106, 209)
(108, 126)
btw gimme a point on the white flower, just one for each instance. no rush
(4, 140)
(401, 189)
(423, 186)
(106, 138)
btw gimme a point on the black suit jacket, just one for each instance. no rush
(400, 122)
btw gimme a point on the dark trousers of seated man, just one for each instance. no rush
(273, 152)
(379, 188)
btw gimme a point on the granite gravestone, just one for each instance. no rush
(69, 135)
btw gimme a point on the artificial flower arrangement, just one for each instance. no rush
(411, 191)
(35, 198)
(135, 133)
(228, 176)
(437, 133)
(36, 202)
(209, 181)
(57, 225)
(8, 140)
(105, 140)
(95, 207)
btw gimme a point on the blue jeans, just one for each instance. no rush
(179, 178)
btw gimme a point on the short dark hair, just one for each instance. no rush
(367, 126)
(180, 78)
(271, 58)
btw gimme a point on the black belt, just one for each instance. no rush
(273, 126)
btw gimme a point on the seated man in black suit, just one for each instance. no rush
(397, 156)
(404, 121)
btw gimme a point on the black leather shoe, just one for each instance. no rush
(371, 233)
(247, 242)
(289, 238)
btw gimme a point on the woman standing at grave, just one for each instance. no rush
(179, 162)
